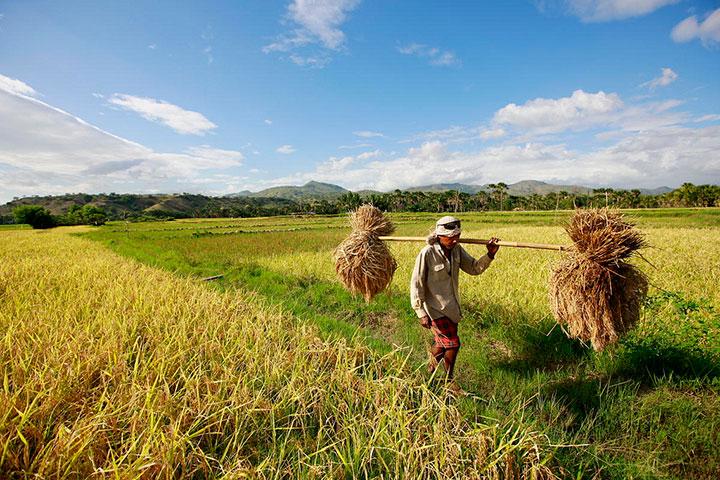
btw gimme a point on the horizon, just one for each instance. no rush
(335, 185)
(219, 98)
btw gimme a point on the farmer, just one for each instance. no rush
(434, 288)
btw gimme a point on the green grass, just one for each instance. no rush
(18, 226)
(648, 407)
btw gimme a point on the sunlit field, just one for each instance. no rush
(114, 369)
(274, 370)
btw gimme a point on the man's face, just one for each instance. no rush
(449, 242)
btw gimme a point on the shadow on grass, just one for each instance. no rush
(648, 359)
(537, 346)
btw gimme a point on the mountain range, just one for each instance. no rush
(327, 191)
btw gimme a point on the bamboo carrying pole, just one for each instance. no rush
(477, 241)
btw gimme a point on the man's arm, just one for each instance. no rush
(417, 285)
(475, 267)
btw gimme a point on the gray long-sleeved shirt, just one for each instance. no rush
(434, 283)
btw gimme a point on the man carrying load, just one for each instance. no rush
(434, 288)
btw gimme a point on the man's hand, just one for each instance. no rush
(492, 247)
(425, 321)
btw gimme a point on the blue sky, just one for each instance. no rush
(220, 96)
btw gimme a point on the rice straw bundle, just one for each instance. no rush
(594, 290)
(362, 261)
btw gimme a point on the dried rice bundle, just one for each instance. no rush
(593, 290)
(362, 261)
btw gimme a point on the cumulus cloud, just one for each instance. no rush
(45, 150)
(16, 87)
(158, 111)
(607, 10)
(435, 56)
(547, 115)
(315, 22)
(667, 77)
(285, 149)
(707, 31)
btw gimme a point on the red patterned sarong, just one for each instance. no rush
(445, 331)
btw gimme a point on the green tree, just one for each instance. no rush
(34, 215)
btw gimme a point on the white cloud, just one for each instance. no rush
(368, 155)
(285, 149)
(316, 22)
(181, 120)
(665, 156)
(322, 18)
(707, 118)
(492, 133)
(667, 77)
(45, 150)
(367, 134)
(152, 46)
(268, 121)
(357, 145)
(707, 31)
(313, 61)
(16, 87)
(436, 57)
(543, 115)
(607, 10)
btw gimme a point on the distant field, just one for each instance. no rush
(647, 408)
(20, 226)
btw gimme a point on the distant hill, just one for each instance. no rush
(526, 188)
(442, 187)
(519, 189)
(120, 205)
(310, 191)
(655, 191)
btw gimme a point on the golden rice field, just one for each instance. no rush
(112, 369)
(119, 362)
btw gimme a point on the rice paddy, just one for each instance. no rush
(129, 366)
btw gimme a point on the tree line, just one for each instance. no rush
(450, 201)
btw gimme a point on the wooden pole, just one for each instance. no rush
(477, 241)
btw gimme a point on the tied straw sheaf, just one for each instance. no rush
(594, 290)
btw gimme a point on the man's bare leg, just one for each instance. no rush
(437, 353)
(449, 357)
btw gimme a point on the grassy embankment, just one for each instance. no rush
(113, 369)
(647, 408)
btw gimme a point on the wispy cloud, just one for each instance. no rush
(435, 56)
(16, 87)
(367, 134)
(268, 121)
(667, 77)
(314, 22)
(285, 149)
(158, 111)
(357, 145)
(312, 61)
(707, 31)
(608, 10)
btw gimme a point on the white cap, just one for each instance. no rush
(441, 229)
